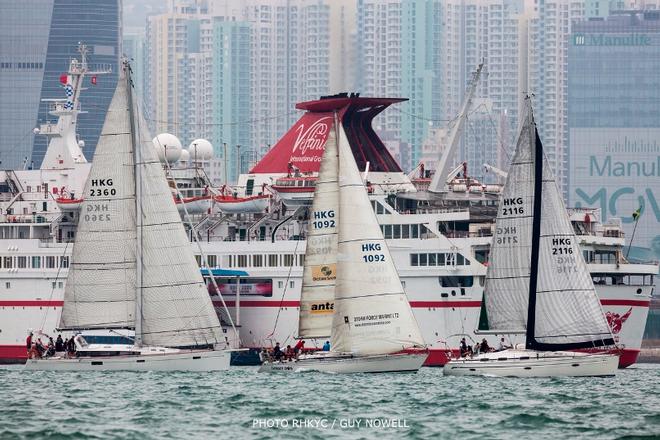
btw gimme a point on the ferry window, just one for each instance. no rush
(423, 261)
(291, 284)
(50, 262)
(379, 208)
(441, 259)
(212, 260)
(280, 284)
(198, 259)
(36, 262)
(457, 281)
(287, 260)
(242, 260)
(53, 284)
(433, 261)
(414, 231)
(230, 261)
(64, 262)
(21, 262)
(8, 285)
(414, 260)
(257, 260)
(403, 284)
(451, 259)
(588, 256)
(301, 260)
(396, 231)
(482, 255)
(405, 231)
(60, 284)
(461, 260)
(7, 263)
(272, 260)
(388, 231)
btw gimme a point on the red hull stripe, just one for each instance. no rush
(31, 303)
(626, 302)
(413, 304)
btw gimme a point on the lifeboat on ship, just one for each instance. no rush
(236, 205)
(66, 200)
(295, 190)
(194, 205)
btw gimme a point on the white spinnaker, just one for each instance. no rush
(176, 307)
(568, 309)
(506, 290)
(100, 288)
(317, 296)
(372, 313)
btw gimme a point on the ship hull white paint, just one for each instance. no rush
(350, 364)
(206, 360)
(529, 363)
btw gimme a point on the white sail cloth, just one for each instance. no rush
(101, 290)
(567, 308)
(317, 296)
(372, 314)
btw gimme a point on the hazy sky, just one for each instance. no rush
(136, 11)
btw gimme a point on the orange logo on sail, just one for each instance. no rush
(327, 272)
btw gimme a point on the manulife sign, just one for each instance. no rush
(633, 39)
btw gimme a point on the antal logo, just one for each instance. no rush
(616, 321)
(322, 309)
(313, 138)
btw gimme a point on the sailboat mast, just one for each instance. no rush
(530, 342)
(138, 209)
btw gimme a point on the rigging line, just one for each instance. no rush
(52, 290)
(221, 124)
(286, 286)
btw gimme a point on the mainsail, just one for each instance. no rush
(372, 314)
(537, 279)
(100, 288)
(132, 253)
(317, 296)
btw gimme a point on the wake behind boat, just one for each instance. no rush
(132, 266)
(351, 290)
(537, 283)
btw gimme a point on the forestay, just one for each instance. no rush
(372, 313)
(317, 296)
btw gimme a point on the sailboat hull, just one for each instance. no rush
(529, 363)
(206, 360)
(335, 363)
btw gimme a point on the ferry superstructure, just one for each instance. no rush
(439, 242)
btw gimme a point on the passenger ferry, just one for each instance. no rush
(440, 241)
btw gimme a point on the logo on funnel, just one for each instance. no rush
(311, 140)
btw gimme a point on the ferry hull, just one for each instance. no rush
(183, 361)
(528, 363)
(350, 364)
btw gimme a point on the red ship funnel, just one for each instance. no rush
(302, 146)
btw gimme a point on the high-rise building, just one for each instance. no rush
(613, 102)
(37, 40)
(133, 48)
(399, 46)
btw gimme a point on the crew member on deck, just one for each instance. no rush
(277, 352)
(59, 343)
(326, 346)
(463, 348)
(299, 347)
(28, 342)
(485, 348)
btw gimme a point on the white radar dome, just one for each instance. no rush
(168, 147)
(200, 149)
(185, 156)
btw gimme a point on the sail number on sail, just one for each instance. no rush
(371, 257)
(99, 188)
(507, 235)
(563, 248)
(324, 219)
(512, 206)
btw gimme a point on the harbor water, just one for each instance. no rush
(242, 403)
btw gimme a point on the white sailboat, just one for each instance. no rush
(132, 266)
(537, 282)
(351, 290)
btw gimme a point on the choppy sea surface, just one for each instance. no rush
(242, 403)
